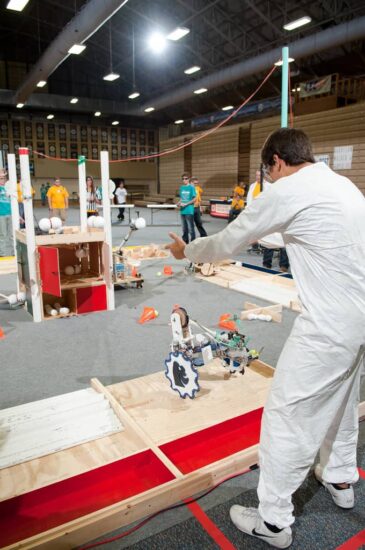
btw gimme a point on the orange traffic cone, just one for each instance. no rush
(225, 321)
(134, 272)
(148, 314)
(2, 335)
(167, 270)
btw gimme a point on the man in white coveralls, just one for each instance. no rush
(314, 396)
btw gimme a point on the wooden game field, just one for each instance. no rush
(170, 449)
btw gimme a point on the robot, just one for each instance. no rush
(189, 351)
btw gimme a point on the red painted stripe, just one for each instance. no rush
(361, 473)
(196, 450)
(354, 543)
(210, 527)
(23, 151)
(42, 509)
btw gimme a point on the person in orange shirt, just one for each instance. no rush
(238, 202)
(58, 199)
(197, 207)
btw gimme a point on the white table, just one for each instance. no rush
(128, 206)
(153, 207)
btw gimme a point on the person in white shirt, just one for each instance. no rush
(313, 401)
(121, 194)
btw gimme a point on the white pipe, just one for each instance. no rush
(29, 230)
(82, 193)
(108, 258)
(14, 204)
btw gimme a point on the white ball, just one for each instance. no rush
(99, 222)
(91, 221)
(80, 253)
(251, 317)
(12, 299)
(56, 223)
(21, 296)
(238, 264)
(44, 225)
(64, 311)
(77, 269)
(69, 270)
(139, 223)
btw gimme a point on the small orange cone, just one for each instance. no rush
(2, 335)
(134, 272)
(226, 322)
(167, 270)
(148, 314)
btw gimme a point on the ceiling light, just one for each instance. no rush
(192, 70)
(133, 95)
(298, 89)
(50, 117)
(19, 105)
(77, 49)
(115, 122)
(297, 23)
(41, 83)
(157, 42)
(227, 108)
(111, 76)
(97, 113)
(17, 5)
(180, 121)
(178, 33)
(74, 100)
(200, 91)
(279, 63)
(149, 109)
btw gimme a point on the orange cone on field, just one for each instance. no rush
(148, 314)
(225, 321)
(134, 272)
(167, 270)
(2, 335)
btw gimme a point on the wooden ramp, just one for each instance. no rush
(273, 288)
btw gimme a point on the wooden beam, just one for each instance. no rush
(125, 418)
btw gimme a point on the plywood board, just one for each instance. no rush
(162, 414)
(274, 288)
(8, 265)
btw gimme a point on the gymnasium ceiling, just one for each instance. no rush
(222, 32)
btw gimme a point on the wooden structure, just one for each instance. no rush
(165, 454)
(83, 292)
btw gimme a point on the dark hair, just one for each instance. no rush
(289, 144)
(185, 175)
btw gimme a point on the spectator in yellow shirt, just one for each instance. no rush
(21, 204)
(238, 202)
(58, 199)
(197, 207)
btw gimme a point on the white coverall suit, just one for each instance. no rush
(315, 392)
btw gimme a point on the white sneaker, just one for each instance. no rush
(249, 521)
(344, 498)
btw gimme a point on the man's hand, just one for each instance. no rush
(177, 247)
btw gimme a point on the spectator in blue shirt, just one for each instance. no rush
(187, 195)
(6, 236)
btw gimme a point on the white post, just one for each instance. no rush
(82, 192)
(29, 231)
(104, 162)
(14, 203)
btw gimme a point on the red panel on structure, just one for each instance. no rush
(50, 270)
(91, 298)
(201, 448)
(27, 515)
(23, 151)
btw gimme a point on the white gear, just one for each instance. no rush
(182, 375)
(313, 400)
